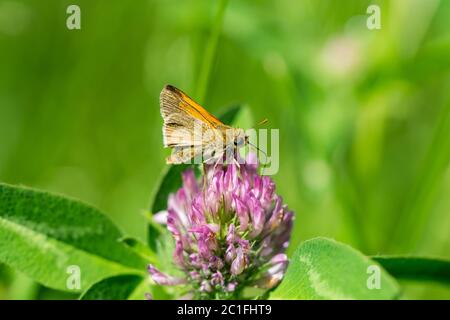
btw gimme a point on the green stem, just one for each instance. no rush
(413, 219)
(210, 52)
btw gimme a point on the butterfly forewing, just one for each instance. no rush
(188, 128)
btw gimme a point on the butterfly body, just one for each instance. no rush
(193, 133)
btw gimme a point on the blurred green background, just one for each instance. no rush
(364, 115)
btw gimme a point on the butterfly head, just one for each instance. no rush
(240, 138)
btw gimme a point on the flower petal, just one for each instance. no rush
(164, 279)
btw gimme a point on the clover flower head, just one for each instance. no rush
(231, 231)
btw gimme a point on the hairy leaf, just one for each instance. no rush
(43, 235)
(325, 269)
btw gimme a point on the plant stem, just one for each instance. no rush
(417, 210)
(210, 52)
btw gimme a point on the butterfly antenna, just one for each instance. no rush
(254, 146)
(265, 154)
(261, 123)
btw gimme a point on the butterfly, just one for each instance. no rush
(195, 134)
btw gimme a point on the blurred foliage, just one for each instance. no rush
(364, 116)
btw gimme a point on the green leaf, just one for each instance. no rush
(164, 250)
(140, 248)
(42, 235)
(170, 182)
(231, 114)
(325, 269)
(124, 287)
(120, 287)
(416, 268)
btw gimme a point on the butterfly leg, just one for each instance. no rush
(218, 160)
(204, 176)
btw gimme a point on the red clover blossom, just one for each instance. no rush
(229, 234)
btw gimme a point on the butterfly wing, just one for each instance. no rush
(183, 120)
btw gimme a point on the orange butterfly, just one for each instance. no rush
(194, 133)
